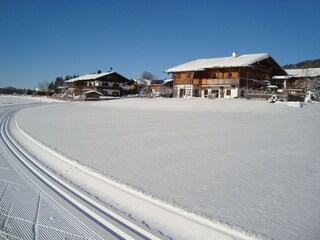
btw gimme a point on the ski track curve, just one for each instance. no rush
(187, 225)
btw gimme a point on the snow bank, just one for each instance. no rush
(6, 100)
(246, 163)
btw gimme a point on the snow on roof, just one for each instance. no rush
(91, 76)
(306, 72)
(283, 77)
(143, 81)
(44, 90)
(92, 91)
(157, 82)
(167, 80)
(202, 64)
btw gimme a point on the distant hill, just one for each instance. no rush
(15, 91)
(305, 64)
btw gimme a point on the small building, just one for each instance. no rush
(108, 84)
(43, 92)
(91, 95)
(226, 77)
(161, 87)
(302, 79)
(155, 85)
(158, 85)
(299, 83)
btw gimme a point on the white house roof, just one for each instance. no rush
(306, 72)
(202, 64)
(92, 91)
(167, 80)
(142, 81)
(91, 76)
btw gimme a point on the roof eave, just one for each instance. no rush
(185, 70)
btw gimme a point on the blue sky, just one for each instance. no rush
(42, 39)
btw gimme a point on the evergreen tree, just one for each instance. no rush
(59, 82)
(51, 86)
(305, 64)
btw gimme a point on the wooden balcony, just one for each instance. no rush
(183, 81)
(216, 81)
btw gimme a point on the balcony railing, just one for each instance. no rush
(216, 81)
(183, 81)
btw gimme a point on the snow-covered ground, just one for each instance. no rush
(26, 210)
(249, 164)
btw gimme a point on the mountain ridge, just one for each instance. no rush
(304, 64)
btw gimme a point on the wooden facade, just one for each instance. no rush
(303, 79)
(108, 84)
(299, 82)
(159, 85)
(223, 82)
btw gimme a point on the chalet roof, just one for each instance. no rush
(142, 81)
(92, 91)
(167, 81)
(44, 90)
(91, 76)
(202, 64)
(157, 82)
(306, 72)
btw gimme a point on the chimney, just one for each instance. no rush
(234, 54)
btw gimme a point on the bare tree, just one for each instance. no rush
(147, 75)
(43, 85)
(166, 91)
(309, 83)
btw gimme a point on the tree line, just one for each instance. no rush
(305, 64)
(54, 85)
(13, 90)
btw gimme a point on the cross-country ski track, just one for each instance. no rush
(103, 221)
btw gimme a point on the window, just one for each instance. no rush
(228, 92)
(213, 75)
(196, 93)
(229, 75)
(116, 84)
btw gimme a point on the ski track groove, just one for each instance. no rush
(21, 225)
(11, 236)
(36, 220)
(218, 234)
(6, 181)
(7, 219)
(20, 151)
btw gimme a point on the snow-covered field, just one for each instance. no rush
(249, 164)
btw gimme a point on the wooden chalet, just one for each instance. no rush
(298, 82)
(92, 95)
(108, 84)
(158, 85)
(227, 77)
(301, 79)
(43, 92)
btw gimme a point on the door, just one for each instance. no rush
(181, 93)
